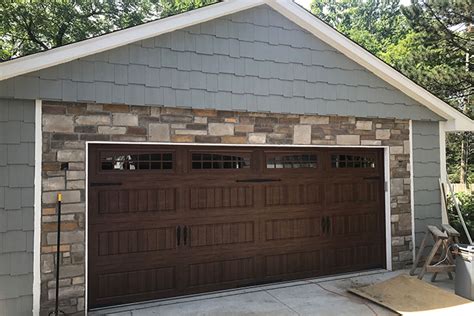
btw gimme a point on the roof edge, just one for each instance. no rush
(456, 121)
(63, 54)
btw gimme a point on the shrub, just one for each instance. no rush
(466, 205)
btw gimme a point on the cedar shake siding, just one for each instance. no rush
(255, 60)
(426, 170)
(17, 159)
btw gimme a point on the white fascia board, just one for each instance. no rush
(298, 15)
(116, 39)
(459, 124)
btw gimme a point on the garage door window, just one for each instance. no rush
(353, 161)
(292, 161)
(137, 161)
(220, 161)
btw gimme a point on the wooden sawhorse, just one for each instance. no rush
(442, 241)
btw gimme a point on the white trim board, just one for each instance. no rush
(412, 189)
(86, 232)
(37, 209)
(442, 166)
(386, 149)
(388, 213)
(456, 121)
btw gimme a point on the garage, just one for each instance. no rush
(168, 220)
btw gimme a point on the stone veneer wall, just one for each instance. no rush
(67, 127)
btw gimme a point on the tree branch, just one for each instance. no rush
(28, 25)
(447, 31)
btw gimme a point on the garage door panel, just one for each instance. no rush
(352, 257)
(128, 201)
(221, 272)
(288, 229)
(352, 192)
(128, 286)
(288, 264)
(222, 234)
(293, 194)
(220, 197)
(361, 224)
(136, 241)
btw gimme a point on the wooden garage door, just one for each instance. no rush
(175, 220)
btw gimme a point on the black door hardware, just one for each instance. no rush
(259, 180)
(178, 234)
(185, 234)
(103, 184)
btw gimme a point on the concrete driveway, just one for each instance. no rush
(321, 296)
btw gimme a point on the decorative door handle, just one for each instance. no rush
(323, 224)
(178, 234)
(328, 224)
(185, 234)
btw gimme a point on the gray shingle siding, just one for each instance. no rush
(17, 136)
(252, 60)
(426, 170)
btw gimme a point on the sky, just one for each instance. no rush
(307, 3)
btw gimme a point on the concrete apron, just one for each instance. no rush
(317, 296)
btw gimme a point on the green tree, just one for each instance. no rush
(27, 27)
(450, 24)
(171, 7)
(373, 24)
(428, 42)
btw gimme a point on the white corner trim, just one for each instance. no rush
(116, 39)
(86, 237)
(332, 37)
(460, 123)
(412, 189)
(388, 211)
(37, 210)
(442, 167)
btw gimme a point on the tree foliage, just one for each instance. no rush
(373, 24)
(467, 211)
(30, 26)
(427, 41)
(171, 7)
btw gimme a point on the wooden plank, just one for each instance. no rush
(450, 230)
(409, 296)
(420, 253)
(437, 233)
(441, 268)
(433, 252)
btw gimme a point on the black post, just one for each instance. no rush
(58, 248)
